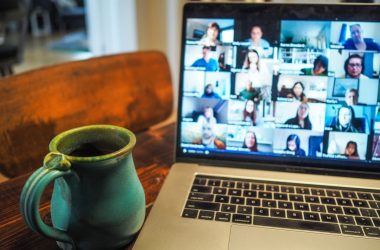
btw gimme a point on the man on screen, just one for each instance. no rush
(206, 61)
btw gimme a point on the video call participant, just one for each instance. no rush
(256, 71)
(207, 117)
(250, 141)
(321, 67)
(211, 36)
(344, 121)
(249, 112)
(301, 119)
(351, 150)
(257, 42)
(351, 97)
(358, 42)
(298, 92)
(250, 93)
(293, 145)
(354, 67)
(206, 61)
(209, 92)
(208, 138)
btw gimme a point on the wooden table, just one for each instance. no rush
(153, 156)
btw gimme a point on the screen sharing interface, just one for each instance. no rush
(294, 88)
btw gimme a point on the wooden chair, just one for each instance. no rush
(131, 90)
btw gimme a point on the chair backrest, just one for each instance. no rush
(132, 90)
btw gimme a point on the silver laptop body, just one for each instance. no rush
(278, 131)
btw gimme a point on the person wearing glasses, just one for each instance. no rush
(354, 67)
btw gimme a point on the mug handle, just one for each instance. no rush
(55, 165)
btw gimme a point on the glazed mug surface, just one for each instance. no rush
(98, 201)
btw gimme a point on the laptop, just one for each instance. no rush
(278, 130)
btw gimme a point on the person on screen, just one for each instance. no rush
(301, 119)
(250, 141)
(207, 117)
(354, 67)
(358, 42)
(209, 92)
(222, 63)
(344, 121)
(298, 92)
(208, 137)
(257, 42)
(321, 65)
(351, 150)
(206, 61)
(250, 93)
(211, 36)
(351, 97)
(249, 112)
(293, 145)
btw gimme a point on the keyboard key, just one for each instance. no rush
(360, 203)
(372, 231)
(302, 190)
(312, 199)
(319, 192)
(272, 188)
(280, 213)
(348, 194)
(344, 219)
(222, 198)
(376, 196)
(228, 208)
(285, 205)
(206, 215)
(311, 216)
(351, 211)
(190, 213)
(237, 200)
(201, 197)
(344, 202)
(334, 210)
(203, 205)
(261, 211)
(317, 208)
(253, 202)
(301, 206)
(255, 186)
(294, 214)
(214, 183)
(329, 218)
(333, 193)
(223, 217)
(228, 184)
(296, 224)
(244, 210)
(199, 181)
(328, 200)
(242, 185)
(220, 191)
(250, 193)
(368, 212)
(241, 218)
(376, 222)
(235, 192)
(287, 189)
(265, 195)
(280, 196)
(374, 204)
(352, 230)
(201, 189)
(365, 196)
(296, 197)
(363, 221)
(269, 203)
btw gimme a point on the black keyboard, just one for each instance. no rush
(287, 205)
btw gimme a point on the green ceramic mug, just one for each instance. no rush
(98, 201)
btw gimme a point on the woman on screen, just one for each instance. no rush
(301, 119)
(250, 141)
(298, 92)
(249, 112)
(321, 64)
(293, 145)
(358, 42)
(354, 67)
(344, 121)
(351, 150)
(211, 36)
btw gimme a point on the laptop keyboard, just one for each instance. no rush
(286, 205)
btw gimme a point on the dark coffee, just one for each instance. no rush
(94, 149)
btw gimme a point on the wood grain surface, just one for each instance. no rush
(153, 156)
(131, 90)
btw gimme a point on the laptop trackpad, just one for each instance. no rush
(255, 237)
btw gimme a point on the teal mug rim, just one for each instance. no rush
(53, 145)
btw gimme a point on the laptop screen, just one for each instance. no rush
(281, 83)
